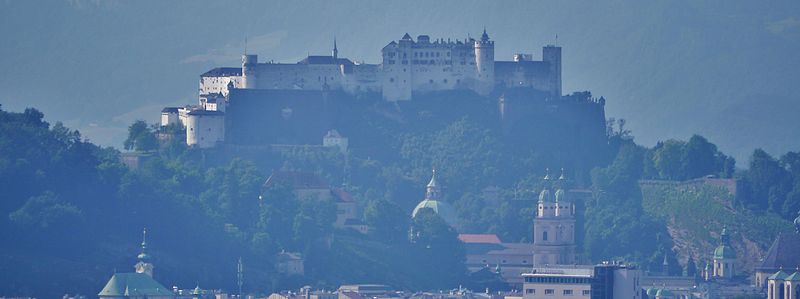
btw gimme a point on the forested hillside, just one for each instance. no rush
(75, 213)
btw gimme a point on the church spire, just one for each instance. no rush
(144, 265)
(433, 187)
(335, 49)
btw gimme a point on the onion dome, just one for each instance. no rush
(484, 36)
(144, 257)
(651, 292)
(545, 196)
(560, 195)
(724, 250)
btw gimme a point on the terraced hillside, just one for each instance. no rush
(695, 213)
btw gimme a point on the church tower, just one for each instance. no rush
(144, 265)
(335, 52)
(554, 226)
(724, 257)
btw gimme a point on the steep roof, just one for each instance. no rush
(325, 60)
(223, 72)
(784, 252)
(133, 285)
(342, 195)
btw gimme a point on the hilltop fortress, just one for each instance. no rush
(277, 94)
(409, 67)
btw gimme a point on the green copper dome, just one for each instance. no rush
(724, 252)
(780, 275)
(560, 195)
(444, 210)
(664, 293)
(545, 196)
(651, 292)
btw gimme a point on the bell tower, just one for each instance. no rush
(144, 265)
(554, 225)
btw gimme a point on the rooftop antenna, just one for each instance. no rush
(556, 41)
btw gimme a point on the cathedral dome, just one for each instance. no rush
(443, 209)
(724, 252)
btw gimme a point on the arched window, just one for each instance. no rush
(544, 236)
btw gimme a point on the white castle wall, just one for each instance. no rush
(205, 128)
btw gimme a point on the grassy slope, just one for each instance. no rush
(695, 214)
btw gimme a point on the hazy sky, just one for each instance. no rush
(726, 70)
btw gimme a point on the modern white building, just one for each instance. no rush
(605, 281)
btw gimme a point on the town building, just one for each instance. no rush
(509, 259)
(607, 280)
(334, 139)
(310, 186)
(290, 263)
(784, 253)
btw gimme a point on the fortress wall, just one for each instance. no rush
(218, 84)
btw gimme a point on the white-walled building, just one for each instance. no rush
(604, 281)
(334, 139)
(408, 67)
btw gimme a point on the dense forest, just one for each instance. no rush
(73, 213)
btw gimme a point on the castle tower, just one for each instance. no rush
(724, 257)
(249, 63)
(484, 64)
(554, 226)
(552, 55)
(144, 265)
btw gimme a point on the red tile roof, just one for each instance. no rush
(479, 238)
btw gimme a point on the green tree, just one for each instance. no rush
(699, 158)
(667, 159)
(140, 137)
(388, 221)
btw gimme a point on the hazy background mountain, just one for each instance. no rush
(726, 70)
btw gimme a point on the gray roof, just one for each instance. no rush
(134, 285)
(325, 60)
(223, 72)
(784, 252)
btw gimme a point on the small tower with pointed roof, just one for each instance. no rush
(554, 225)
(484, 64)
(144, 265)
(724, 257)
